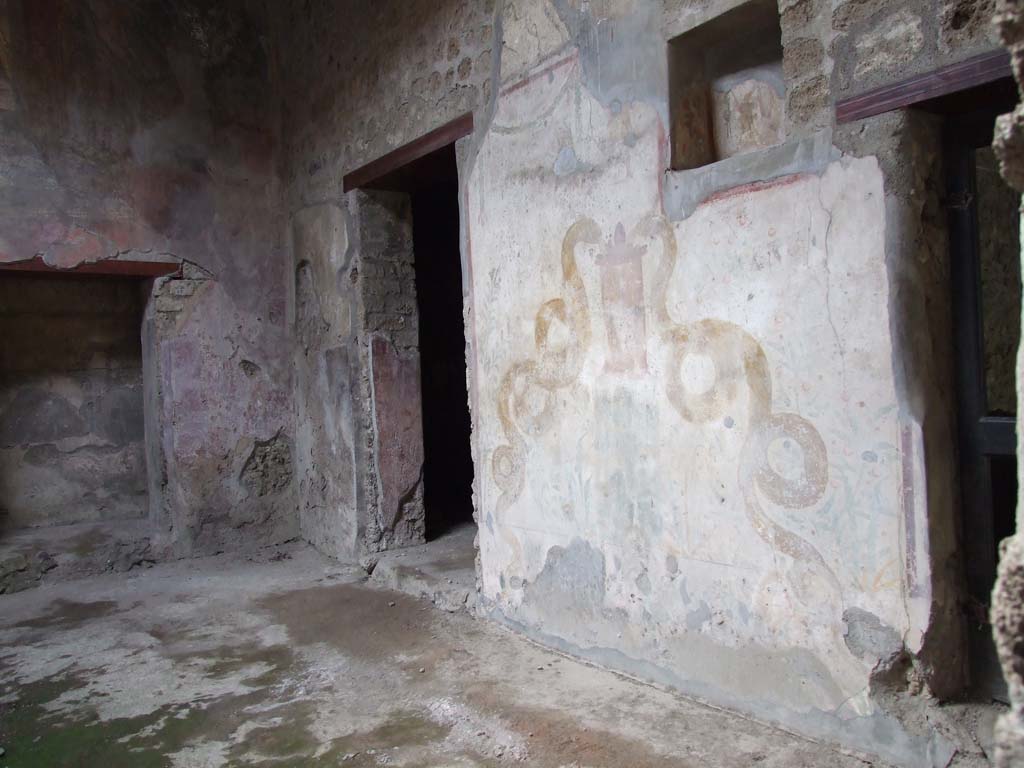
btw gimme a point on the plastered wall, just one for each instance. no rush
(712, 441)
(695, 463)
(711, 436)
(149, 131)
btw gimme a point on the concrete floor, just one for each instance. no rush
(289, 659)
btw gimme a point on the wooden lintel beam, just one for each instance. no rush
(110, 267)
(414, 150)
(979, 70)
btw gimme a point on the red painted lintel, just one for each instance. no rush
(111, 267)
(980, 70)
(414, 150)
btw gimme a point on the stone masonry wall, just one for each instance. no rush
(389, 348)
(429, 63)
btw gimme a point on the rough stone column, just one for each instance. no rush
(1008, 597)
(390, 414)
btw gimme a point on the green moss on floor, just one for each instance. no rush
(34, 737)
(35, 734)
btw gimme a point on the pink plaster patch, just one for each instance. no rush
(756, 186)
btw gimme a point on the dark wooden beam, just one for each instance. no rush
(976, 71)
(447, 134)
(110, 267)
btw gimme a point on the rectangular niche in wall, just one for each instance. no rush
(71, 401)
(727, 94)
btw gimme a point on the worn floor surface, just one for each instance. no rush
(292, 660)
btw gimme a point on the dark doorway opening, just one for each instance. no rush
(432, 182)
(448, 471)
(986, 299)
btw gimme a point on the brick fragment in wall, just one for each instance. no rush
(165, 303)
(807, 99)
(802, 57)
(798, 13)
(851, 12)
(181, 287)
(173, 298)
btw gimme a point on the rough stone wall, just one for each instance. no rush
(389, 349)
(71, 426)
(709, 446)
(348, 103)
(1008, 596)
(150, 131)
(429, 63)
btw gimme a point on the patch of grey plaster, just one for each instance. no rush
(567, 163)
(571, 581)
(622, 55)
(696, 618)
(685, 190)
(867, 637)
(568, 595)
